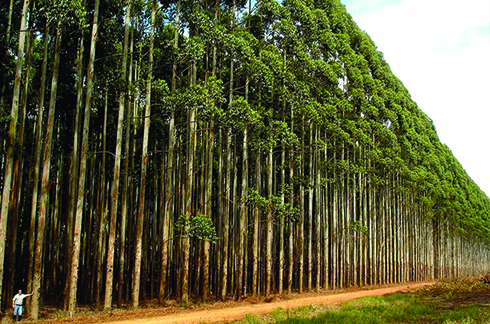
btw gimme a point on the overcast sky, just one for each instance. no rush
(440, 50)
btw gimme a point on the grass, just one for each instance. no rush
(462, 301)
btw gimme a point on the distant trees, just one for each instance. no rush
(223, 150)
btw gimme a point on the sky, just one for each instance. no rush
(440, 50)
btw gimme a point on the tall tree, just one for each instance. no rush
(75, 255)
(144, 163)
(45, 182)
(117, 168)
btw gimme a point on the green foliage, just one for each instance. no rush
(358, 227)
(63, 11)
(197, 226)
(274, 205)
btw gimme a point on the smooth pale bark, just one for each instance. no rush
(74, 164)
(73, 278)
(102, 207)
(228, 208)
(208, 205)
(169, 187)
(326, 223)
(37, 161)
(234, 216)
(281, 227)
(189, 188)
(144, 166)
(318, 214)
(309, 270)
(268, 224)
(242, 235)
(301, 225)
(117, 168)
(168, 210)
(124, 194)
(255, 237)
(290, 222)
(334, 234)
(44, 196)
(226, 217)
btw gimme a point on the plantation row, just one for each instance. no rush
(155, 149)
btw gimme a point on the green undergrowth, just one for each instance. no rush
(465, 301)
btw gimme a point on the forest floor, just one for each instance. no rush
(219, 312)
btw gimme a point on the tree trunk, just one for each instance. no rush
(268, 243)
(37, 163)
(290, 222)
(144, 166)
(256, 224)
(72, 297)
(117, 168)
(242, 235)
(44, 197)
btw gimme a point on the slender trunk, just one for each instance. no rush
(208, 206)
(72, 296)
(144, 166)
(256, 224)
(37, 163)
(301, 226)
(125, 188)
(189, 187)
(242, 236)
(318, 219)
(102, 200)
(169, 188)
(310, 210)
(290, 222)
(334, 230)
(44, 197)
(268, 246)
(74, 167)
(117, 168)
(226, 216)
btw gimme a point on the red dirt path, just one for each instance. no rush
(229, 311)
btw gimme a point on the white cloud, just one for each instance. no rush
(440, 50)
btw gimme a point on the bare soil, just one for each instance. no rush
(222, 312)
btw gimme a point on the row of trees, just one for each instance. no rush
(169, 149)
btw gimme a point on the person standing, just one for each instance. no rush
(17, 304)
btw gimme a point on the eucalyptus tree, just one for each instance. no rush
(37, 157)
(144, 163)
(117, 166)
(12, 138)
(73, 278)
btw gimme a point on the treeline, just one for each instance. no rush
(197, 149)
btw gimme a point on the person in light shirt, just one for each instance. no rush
(17, 305)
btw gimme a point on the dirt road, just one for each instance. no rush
(239, 312)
